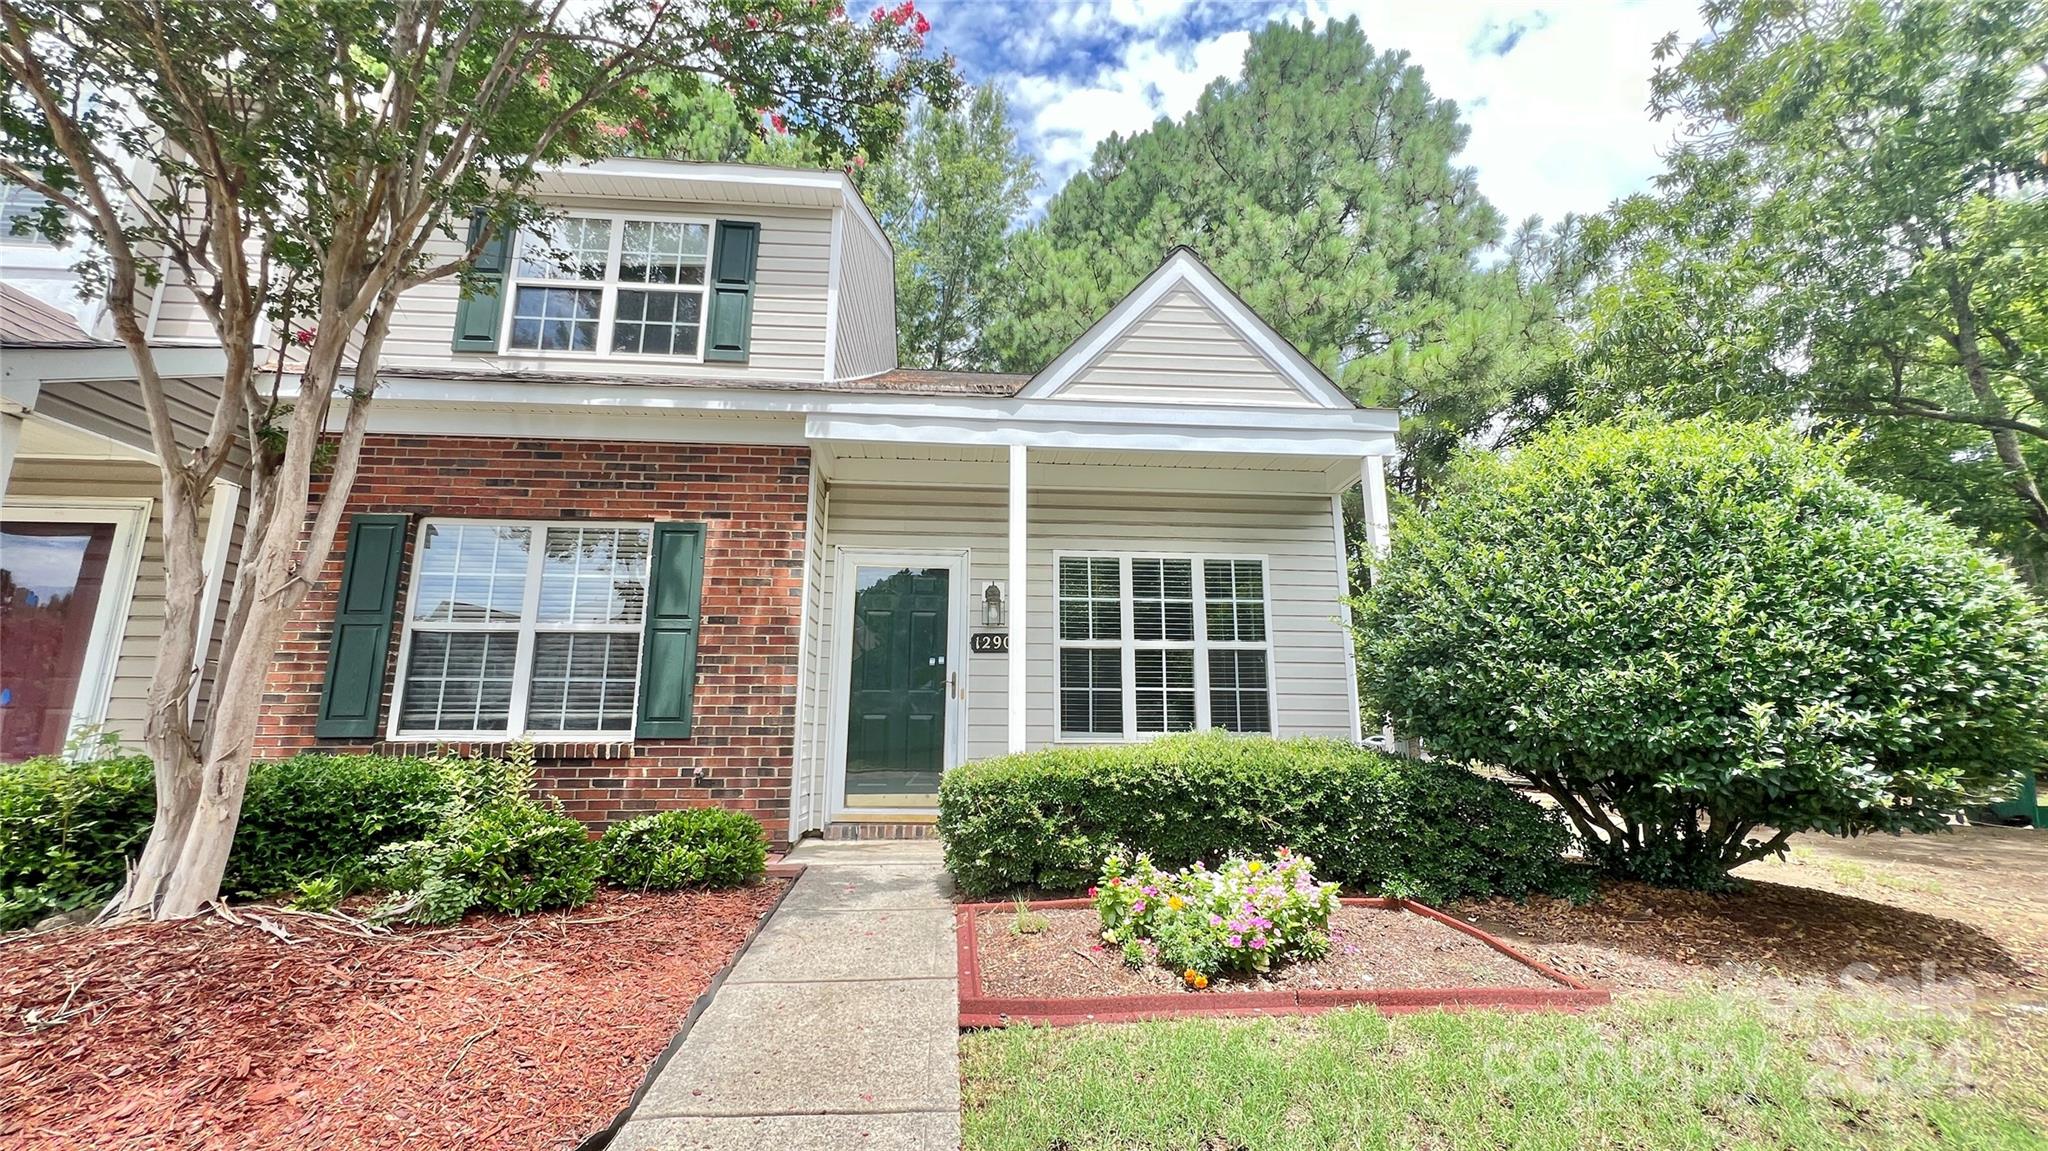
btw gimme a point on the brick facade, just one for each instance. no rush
(752, 501)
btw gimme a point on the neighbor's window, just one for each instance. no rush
(1132, 660)
(524, 627)
(20, 212)
(610, 285)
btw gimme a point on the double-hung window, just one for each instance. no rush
(1152, 644)
(515, 628)
(610, 285)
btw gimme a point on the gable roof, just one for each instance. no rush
(1183, 312)
(26, 322)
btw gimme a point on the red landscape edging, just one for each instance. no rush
(979, 1009)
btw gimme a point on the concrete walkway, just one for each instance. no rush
(838, 1027)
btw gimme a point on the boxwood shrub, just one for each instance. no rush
(67, 830)
(1376, 822)
(697, 847)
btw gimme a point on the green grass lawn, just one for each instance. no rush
(1728, 1070)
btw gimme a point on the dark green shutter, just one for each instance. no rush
(362, 628)
(477, 312)
(732, 291)
(668, 653)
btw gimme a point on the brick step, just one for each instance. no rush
(872, 829)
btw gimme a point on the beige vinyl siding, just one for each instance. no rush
(1181, 352)
(113, 408)
(128, 695)
(788, 341)
(866, 340)
(1294, 534)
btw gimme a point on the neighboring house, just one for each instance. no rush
(663, 504)
(81, 531)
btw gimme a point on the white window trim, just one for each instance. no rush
(527, 628)
(608, 289)
(1201, 645)
(130, 518)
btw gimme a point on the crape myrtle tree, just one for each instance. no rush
(1701, 638)
(292, 160)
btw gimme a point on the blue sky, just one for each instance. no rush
(1555, 94)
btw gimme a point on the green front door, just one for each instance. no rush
(897, 679)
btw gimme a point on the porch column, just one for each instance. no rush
(1019, 610)
(1377, 527)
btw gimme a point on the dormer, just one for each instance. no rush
(656, 269)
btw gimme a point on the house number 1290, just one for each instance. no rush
(989, 642)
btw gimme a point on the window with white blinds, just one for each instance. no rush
(1152, 644)
(516, 628)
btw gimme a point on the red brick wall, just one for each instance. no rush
(751, 499)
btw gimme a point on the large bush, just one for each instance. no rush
(66, 832)
(1047, 819)
(1690, 633)
(515, 855)
(314, 815)
(696, 847)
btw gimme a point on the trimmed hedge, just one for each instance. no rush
(67, 831)
(696, 847)
(1371, 821)
(313, 815)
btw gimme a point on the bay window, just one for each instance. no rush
(523, 627)
(613, 285)
(1153, 644)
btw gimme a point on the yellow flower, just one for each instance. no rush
(1175, 902)
(1253, 866)
(1195, 979)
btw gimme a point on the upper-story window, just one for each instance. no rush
(595, 284)
(20, 210)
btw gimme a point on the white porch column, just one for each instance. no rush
(1377, 526)
(10, 441)
(1019, 600)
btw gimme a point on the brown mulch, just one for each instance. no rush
(1369, 949)
(1633, 936)
(499, 1033)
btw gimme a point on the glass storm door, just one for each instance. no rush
(897, 687)
(50, 577)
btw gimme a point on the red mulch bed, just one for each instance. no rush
(1370, 948)
(499, 1033)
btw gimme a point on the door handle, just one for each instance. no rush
(953, 684)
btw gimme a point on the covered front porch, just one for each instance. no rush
(976, 591)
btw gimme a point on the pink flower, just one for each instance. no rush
(1235, 941)
(1258, 942)
(781, 125)
(923, 25)
(1138, 908)
(1091, 893)
(304, 337)
(1215, 921)
(1151, 890)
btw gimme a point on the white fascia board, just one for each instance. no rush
(1183, 268)
(826, 183)
(488, 397)
(50, 365)
(1097, 435)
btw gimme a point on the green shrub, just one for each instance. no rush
(516, 856)
(697, 847)
(1047, 819)
(318, 815)
(66, 832)
(1688, 632)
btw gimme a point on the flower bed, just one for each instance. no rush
(1403, 956)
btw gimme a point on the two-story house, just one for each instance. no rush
(663, 503)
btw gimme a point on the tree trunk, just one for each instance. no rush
(1990, 404)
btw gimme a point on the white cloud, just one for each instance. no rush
(1559, 122)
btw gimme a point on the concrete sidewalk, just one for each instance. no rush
(838, 1027)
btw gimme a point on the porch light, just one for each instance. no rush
(992, 613)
